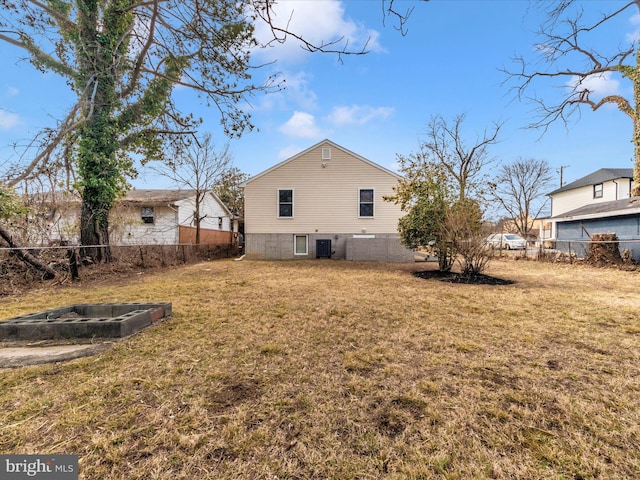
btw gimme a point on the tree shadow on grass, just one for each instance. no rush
(451, 277)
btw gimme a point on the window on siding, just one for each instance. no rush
(147, 214)
(366, 202)
(285, 203)
(326, 154)
(300, 244)
(597, 190)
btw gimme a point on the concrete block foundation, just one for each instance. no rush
(102, 320)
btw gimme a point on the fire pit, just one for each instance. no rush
(101, 320)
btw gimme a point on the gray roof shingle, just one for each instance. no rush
(599, 176)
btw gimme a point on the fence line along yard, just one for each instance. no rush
(65, 259)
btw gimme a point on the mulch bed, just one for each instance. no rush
(452, 277)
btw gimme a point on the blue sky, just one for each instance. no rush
(378, 104)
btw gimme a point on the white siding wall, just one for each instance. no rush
(571, 199)
(127, 227)
(125, 223)
(208, 207)
(325, 197)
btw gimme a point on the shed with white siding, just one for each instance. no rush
(323, 202)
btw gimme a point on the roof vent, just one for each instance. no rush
(326, 153)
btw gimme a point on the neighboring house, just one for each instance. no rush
(142, 217)
(325, 202)
(621, 217)
(598, 203)
(604, 185)
(168, 217)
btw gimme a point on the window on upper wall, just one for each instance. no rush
(365, 202)
(285, 203)
(147, 214)
(597, 190)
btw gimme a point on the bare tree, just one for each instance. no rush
(520, 190)
(464, 162)
(441, 192)
(198, 166)
(567, 54)
(229, 190)
(123, 60)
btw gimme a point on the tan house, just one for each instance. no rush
(325, 202)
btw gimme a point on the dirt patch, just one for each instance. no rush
(451, 277)
(235, 393)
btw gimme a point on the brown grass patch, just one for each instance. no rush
(343, 370)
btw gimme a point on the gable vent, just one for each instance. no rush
(326, 153)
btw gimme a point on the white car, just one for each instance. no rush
(509, 241)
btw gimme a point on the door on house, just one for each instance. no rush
(323, 248)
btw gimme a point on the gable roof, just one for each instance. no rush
(146, 197)
(162, 197)
(323, 142)
(626, 206)
(156, 196)
(599, 176)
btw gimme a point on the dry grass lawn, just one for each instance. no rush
(339, 370)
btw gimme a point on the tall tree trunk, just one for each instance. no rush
(47, 272)
(196, 215)
(101, 178)
(94, 233)
(635, 78)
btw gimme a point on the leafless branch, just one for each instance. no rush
(67, 126)
(556, 47)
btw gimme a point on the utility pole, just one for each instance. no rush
(560, 171)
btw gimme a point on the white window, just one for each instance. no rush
(300, 244)
(597, 190)
(147, 214)
(326, 154)
(285, 203)
(365, 201)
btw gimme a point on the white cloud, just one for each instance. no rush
(317, 22)
(288, 152)
(601, 84)
(298, 90)
(635, 35)
(301, 125)
(8, 120)
(358, 114)
(12, 91)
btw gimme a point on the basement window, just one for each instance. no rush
(597, 190)
(300, 244)
(147, 214)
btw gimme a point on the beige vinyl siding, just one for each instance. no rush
(326, 196)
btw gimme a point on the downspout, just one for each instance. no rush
(617, 186)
